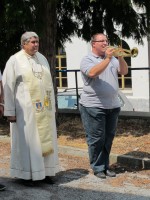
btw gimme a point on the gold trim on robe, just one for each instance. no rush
(42, 96)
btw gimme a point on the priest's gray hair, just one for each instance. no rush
(25, 38)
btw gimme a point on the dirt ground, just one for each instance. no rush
(133, 137)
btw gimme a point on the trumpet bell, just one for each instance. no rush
(134, 52)
(130, 53)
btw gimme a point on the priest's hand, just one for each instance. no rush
(11, 119)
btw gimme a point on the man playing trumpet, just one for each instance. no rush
(99, 103)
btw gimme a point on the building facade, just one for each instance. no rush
(135, 85)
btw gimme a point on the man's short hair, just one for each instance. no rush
(93, 38)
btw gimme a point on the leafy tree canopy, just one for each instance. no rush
(79, 17)
(86, 17)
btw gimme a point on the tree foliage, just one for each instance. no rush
(92, 16)
(56, 21)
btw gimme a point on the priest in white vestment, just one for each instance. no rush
(30, 108)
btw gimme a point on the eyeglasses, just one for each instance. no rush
(101, 41)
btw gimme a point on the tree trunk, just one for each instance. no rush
(48, 28)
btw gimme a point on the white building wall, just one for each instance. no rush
(75, 51)
(140, 78)
(139, 96)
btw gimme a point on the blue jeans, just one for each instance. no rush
(100, 127)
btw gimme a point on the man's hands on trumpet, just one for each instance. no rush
(109, 52)
(113, 51)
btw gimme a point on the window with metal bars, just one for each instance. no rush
(61, 76)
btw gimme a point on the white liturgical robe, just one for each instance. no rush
(29, 95)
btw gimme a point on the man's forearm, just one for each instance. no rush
(99, 68)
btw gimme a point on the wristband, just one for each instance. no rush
(1, 104)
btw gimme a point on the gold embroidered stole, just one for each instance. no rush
(42, 97)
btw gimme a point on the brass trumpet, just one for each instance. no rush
(124, 52)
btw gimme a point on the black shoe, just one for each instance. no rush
(110, 173)
(49, 180)
(2, 187)
(28, 183)
(100, 175)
